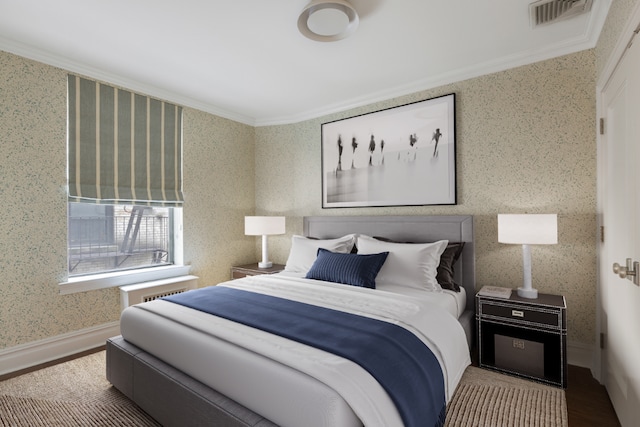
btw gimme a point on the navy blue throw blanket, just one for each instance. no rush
(398, 360)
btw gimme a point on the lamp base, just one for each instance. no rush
(528, 293)
(267, 264)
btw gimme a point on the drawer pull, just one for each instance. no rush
(517, 313)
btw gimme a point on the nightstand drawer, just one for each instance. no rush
(522, 314)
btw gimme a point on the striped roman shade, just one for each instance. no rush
(124, 148)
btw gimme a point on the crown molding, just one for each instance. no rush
(478, 70)
(616, 54)
(587, 40)
(58, 61)
(584, 41)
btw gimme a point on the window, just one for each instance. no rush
(107, 238)
(125, 180)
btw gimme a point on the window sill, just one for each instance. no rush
(109, 280)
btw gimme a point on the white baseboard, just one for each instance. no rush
(580, 354)
(24, 356)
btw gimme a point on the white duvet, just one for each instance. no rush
(422, 315)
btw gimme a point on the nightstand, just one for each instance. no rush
(241, 271)
(524, 337)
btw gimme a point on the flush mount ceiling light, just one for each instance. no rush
(328, 20)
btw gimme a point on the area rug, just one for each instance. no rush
(26, 411)
(486, 398)
(74, 393)
(77, 393)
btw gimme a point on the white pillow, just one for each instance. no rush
(304, 250)
(408, 264)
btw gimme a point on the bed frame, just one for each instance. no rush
(175, 399)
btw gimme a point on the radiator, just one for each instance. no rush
(148, 291)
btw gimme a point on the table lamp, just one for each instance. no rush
(525, 230)
(264, 226)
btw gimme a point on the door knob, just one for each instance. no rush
(621, 271)
(631, 271)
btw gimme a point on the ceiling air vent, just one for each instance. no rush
(547, 11)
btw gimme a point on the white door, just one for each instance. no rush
(621, 218)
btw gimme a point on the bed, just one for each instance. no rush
(183, 368)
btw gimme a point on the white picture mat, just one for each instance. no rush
(409, 169)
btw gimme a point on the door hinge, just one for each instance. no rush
(602, 234)
(601, 125)
(602, 336)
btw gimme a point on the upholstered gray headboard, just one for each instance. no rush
(417, 229)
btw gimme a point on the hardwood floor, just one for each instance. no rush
(588, 403)
(47, 364)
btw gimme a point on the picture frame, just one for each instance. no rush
(400, 156)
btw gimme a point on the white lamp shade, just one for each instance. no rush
(528, 229)
(264, 225)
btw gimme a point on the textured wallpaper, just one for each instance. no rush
(619, 13)
(525, 140)
(525, 144)
(34, 210)
(218, 188)
(218, 192)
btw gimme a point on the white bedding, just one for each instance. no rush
(249, 365)
(453, 302)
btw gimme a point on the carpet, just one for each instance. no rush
(26, 411)
(77, 393)
(487, 398)
(74, 393)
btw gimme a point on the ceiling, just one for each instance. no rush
(245, 59)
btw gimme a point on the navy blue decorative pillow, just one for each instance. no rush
(348, 269)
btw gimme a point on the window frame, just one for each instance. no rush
(97, 281)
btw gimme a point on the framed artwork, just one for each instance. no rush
(401, 156)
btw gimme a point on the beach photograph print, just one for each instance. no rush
(402, 156)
